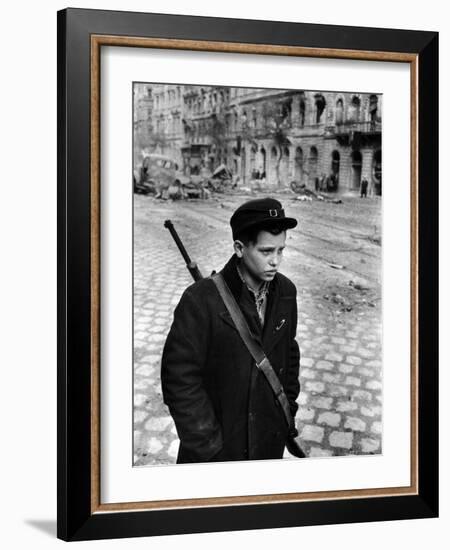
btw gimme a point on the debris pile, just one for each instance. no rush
(304, 194)
(356, 294)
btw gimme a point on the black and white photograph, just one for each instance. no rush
(257, 260)
(224, 270)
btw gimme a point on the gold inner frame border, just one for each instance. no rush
(97, 41)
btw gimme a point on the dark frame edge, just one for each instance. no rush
(204, 28)
(75, 520)
(61, 279)
(428, 161)
(73, 289)
(251, 517)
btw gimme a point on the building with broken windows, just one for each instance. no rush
(142, 118)
(325, 141)
(167, 120)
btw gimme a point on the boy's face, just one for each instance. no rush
(261, 260)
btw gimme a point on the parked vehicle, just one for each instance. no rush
(141, 186)
(157, 174)
(160, 175)
(221, 179)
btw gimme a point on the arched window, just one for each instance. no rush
(244, 118)
(302, 112)
(320, 104)
(339, 111)
(354, 109)
(335, 162)
(373, 108)
(254, 117)
(262, 162)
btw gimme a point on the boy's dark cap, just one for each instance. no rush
(259, 212)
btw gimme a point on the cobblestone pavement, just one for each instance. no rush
(334, 260)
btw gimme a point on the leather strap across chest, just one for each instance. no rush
(261, 360)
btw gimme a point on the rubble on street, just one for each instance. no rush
(339, 315)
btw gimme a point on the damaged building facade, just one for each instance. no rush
(142, 118)
(272, 137)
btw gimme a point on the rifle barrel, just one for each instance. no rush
(169, 225)
(192, 266)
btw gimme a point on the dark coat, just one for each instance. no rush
(222, 405)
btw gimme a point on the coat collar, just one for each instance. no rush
(234, 282)
(231, 276)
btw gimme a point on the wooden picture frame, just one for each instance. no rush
(81, 35)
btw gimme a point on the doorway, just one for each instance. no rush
(356, 169)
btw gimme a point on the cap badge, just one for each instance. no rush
(273, 213)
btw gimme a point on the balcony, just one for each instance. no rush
(201, 141)
(349, 127)
(354, 133)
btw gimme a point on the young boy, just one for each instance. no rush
(222, 404)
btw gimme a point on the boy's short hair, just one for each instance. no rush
(250, 235)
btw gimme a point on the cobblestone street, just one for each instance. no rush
(334, 259)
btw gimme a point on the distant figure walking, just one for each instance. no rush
(364, 185)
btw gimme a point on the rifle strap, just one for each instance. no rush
(255, 349)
